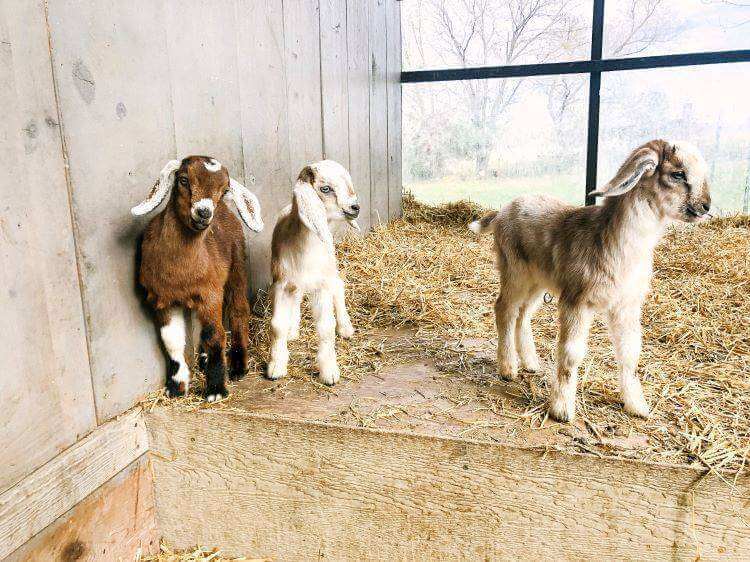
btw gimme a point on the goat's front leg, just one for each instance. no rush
(325, 324)
(296, 313)
(213, 342)
(171, 325)
(506, 314)
(344, 326)
(282, 314)
(625, 331)
(575, 322)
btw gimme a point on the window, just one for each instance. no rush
(588, 83)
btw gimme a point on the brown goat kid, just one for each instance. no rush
(597, 259)
(193, 258)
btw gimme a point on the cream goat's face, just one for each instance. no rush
(333, 186)
(670, 175)
(682, 187)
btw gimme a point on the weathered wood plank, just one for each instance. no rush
(45, 379)
(358, 52)
(302, 62)
(393, 74)
(112, 75)
(201, 43)
(265, 130)
(114, 523)
(333, 80)
(378, 112)
(50, 491)
(301, 490)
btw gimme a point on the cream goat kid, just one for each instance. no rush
(303, 261)
(595, 258)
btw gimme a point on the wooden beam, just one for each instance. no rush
(47, 493)
(304, 490)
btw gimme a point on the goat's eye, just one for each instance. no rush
(325, 188)
(679, 176)
(183, 181)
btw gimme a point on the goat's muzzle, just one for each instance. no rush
(201, 214)
(352, 212)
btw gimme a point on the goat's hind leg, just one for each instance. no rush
(238, 311)
(325, 324)
(625, 332)
(506, 313)
(575, 322)
(173, 332)
(344, 326)
(213, 343)
(524, 336)
(282, 303)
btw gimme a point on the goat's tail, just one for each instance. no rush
(484, 225)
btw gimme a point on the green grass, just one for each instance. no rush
(494, 192)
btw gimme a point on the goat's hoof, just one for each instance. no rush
(275, 371)
(236, 374)
(329, 376)
(561, 409)
(637, 407)
(530, 365)
(175, 389)
(216, 394)
(345, 330)
(508, 374)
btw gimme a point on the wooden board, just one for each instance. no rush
(301, 490)
(265, 130)
(378, 112)
(45, 382)
(358, 53)
(302, 62)
(47, 493)
(114, 524)
(334, 80)
(393, 72)
(112, 74)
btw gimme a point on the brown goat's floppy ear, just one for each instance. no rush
(642, 161)
(247, 204)
(161, 189)
(312, 212)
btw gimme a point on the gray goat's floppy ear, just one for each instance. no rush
(642, 161)
(312, 212)
(161, 189)
(247, 204)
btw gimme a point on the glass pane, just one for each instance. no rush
(706, 105)
(490, 141)
(453, 34)
(664, 27)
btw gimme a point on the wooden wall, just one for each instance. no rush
(97, 95)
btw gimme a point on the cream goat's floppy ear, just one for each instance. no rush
(312, 212)
(642, 161)
(161, 189)
(247, 204)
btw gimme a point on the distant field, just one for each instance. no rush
(494, 192)
(726, 189)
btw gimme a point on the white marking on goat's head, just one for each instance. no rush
(212, 165)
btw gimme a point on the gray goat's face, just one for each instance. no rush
(333, 186)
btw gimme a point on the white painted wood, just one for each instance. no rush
(358, 53)
(45, 381)
(393, 74)
(295, 490)
(44, 495)
(112, 74)
(378, 112)
(265, 130)
(334, 70)
(302, 61)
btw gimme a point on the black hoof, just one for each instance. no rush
(175, 389)
(216, 393)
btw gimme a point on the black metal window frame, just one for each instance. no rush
(594, 67)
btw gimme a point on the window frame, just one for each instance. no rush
(593, 66)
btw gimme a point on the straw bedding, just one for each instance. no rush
(428, 273)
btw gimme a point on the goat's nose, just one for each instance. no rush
(355, 208)
(203, 212)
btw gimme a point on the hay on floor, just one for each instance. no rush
(426, 272)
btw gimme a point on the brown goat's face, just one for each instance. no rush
(333, 186)
(680, 185)
(200, 182)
